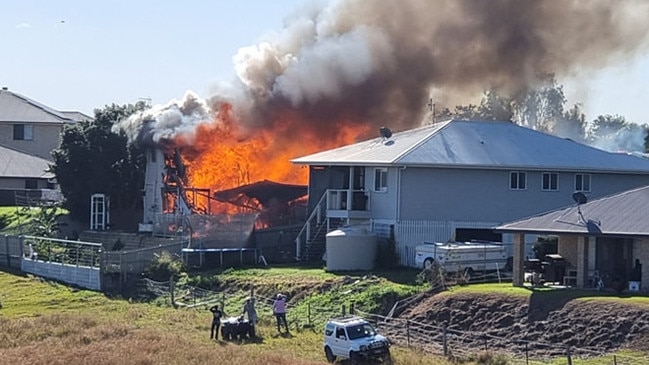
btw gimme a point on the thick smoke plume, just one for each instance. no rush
(378, 62)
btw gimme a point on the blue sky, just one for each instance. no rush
(81, 55)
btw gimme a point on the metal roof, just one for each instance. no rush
(17, 108)
(479, 144)
(621, 214)
(17, 164)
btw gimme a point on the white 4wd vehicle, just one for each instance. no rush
(354, 338)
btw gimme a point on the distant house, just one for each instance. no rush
(455, 181)
(25, 176)
(29, 131)
(601, 238)
(31, 127)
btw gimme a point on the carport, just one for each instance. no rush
(604, 237)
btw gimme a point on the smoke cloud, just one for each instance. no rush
(378, 62)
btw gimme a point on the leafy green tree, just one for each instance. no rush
(94, 159)
(495, 107)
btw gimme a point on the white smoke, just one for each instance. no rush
(162, 122)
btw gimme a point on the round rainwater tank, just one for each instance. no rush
(351, 248)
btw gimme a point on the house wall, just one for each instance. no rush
(46, 137)
(153, 185)
(484, 195)
(383, 203)
(18, 183)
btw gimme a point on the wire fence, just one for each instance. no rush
(432, 338)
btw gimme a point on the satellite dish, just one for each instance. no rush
(579, 197)
(385, 132)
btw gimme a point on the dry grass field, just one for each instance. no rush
(48, 323)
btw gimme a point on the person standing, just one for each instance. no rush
(249, 309)
(216, 322)
(279, 309)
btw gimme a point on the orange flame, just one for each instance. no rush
(223, 155)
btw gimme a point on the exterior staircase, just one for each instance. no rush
(316, 245)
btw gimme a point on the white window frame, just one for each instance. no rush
(518, 180)
(584, 177)
(381, 179)
(549, 186)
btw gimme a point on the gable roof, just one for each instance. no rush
(17, 164)
(620, 214)
(17, 108)
(479, 144)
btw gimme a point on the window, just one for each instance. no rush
(582, 182)
(23, 132)
(517, 180)
(550, 181)
(381, 179)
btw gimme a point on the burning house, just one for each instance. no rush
(213, 219)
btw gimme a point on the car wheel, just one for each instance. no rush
(387, 359)
(355, 358)
(329, 355)
(468, 273)
(428, 263)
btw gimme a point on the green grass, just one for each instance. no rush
(49, 323)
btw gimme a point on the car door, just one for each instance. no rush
(340, 344)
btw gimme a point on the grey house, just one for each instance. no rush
(25, 175)
(29, 131)
(29, 126)
(455, 181)
(601, 238)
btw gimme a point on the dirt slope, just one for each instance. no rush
(548, 325)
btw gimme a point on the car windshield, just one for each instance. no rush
(360, 331)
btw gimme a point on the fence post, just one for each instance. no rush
(614, 359)
(308, 314)
(352, 308)
(527, 354)
(343, 310)
(7, 248)
(484, 337)
(408, 331)
(569, 357)
(171, 291)
(444, 343)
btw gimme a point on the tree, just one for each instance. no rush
(495, 107)
(614, 133)
(93, 159)
(541, 108)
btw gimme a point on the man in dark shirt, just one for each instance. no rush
(216, 322)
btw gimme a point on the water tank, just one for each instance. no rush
(351, 248)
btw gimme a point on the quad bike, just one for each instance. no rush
(236, 328)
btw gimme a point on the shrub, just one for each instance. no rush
(164, 267)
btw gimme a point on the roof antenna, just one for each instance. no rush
(580, 198)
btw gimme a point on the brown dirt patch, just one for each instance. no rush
(549, 326)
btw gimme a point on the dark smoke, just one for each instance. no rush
(378, 62)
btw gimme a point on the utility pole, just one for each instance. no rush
(431, 107)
